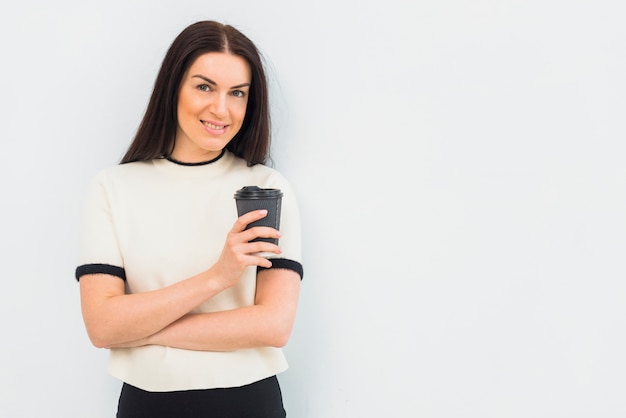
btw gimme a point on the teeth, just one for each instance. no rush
(210, 125)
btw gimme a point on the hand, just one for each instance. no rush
(239, 252)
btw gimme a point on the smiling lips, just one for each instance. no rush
(217, 129)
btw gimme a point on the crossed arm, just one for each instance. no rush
(162, 317)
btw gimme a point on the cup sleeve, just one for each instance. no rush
(99, 250)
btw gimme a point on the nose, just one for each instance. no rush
(218, 106)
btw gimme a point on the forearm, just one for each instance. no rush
(115, 319)
(267, 323)
(247, 327)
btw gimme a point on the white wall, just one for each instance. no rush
(459, 166)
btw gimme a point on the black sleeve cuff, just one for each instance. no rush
(283, 263)
(100, 269)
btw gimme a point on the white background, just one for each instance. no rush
(460, 171)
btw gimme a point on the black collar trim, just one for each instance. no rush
(168, 158)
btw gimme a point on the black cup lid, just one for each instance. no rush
(255, 192)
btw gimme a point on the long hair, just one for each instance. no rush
(157, 131)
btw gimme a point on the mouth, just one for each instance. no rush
(213, 126)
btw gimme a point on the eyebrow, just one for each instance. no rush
(208, 80)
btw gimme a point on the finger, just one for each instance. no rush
(262, 262)
(247, 218)
(261, 247)
(259, 232)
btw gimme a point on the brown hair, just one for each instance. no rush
(157, 130)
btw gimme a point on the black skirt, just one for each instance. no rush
(262, 399)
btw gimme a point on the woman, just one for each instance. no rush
(193, 314)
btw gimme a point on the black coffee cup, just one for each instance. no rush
(252, 198)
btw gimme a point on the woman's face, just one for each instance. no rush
(212, 104)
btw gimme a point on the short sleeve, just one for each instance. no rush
(290, 241)
(99, 250)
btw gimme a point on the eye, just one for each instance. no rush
(239, 93)
(204, 87)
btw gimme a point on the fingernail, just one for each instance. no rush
(263, 212)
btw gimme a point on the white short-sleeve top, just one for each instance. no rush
(154, 223)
